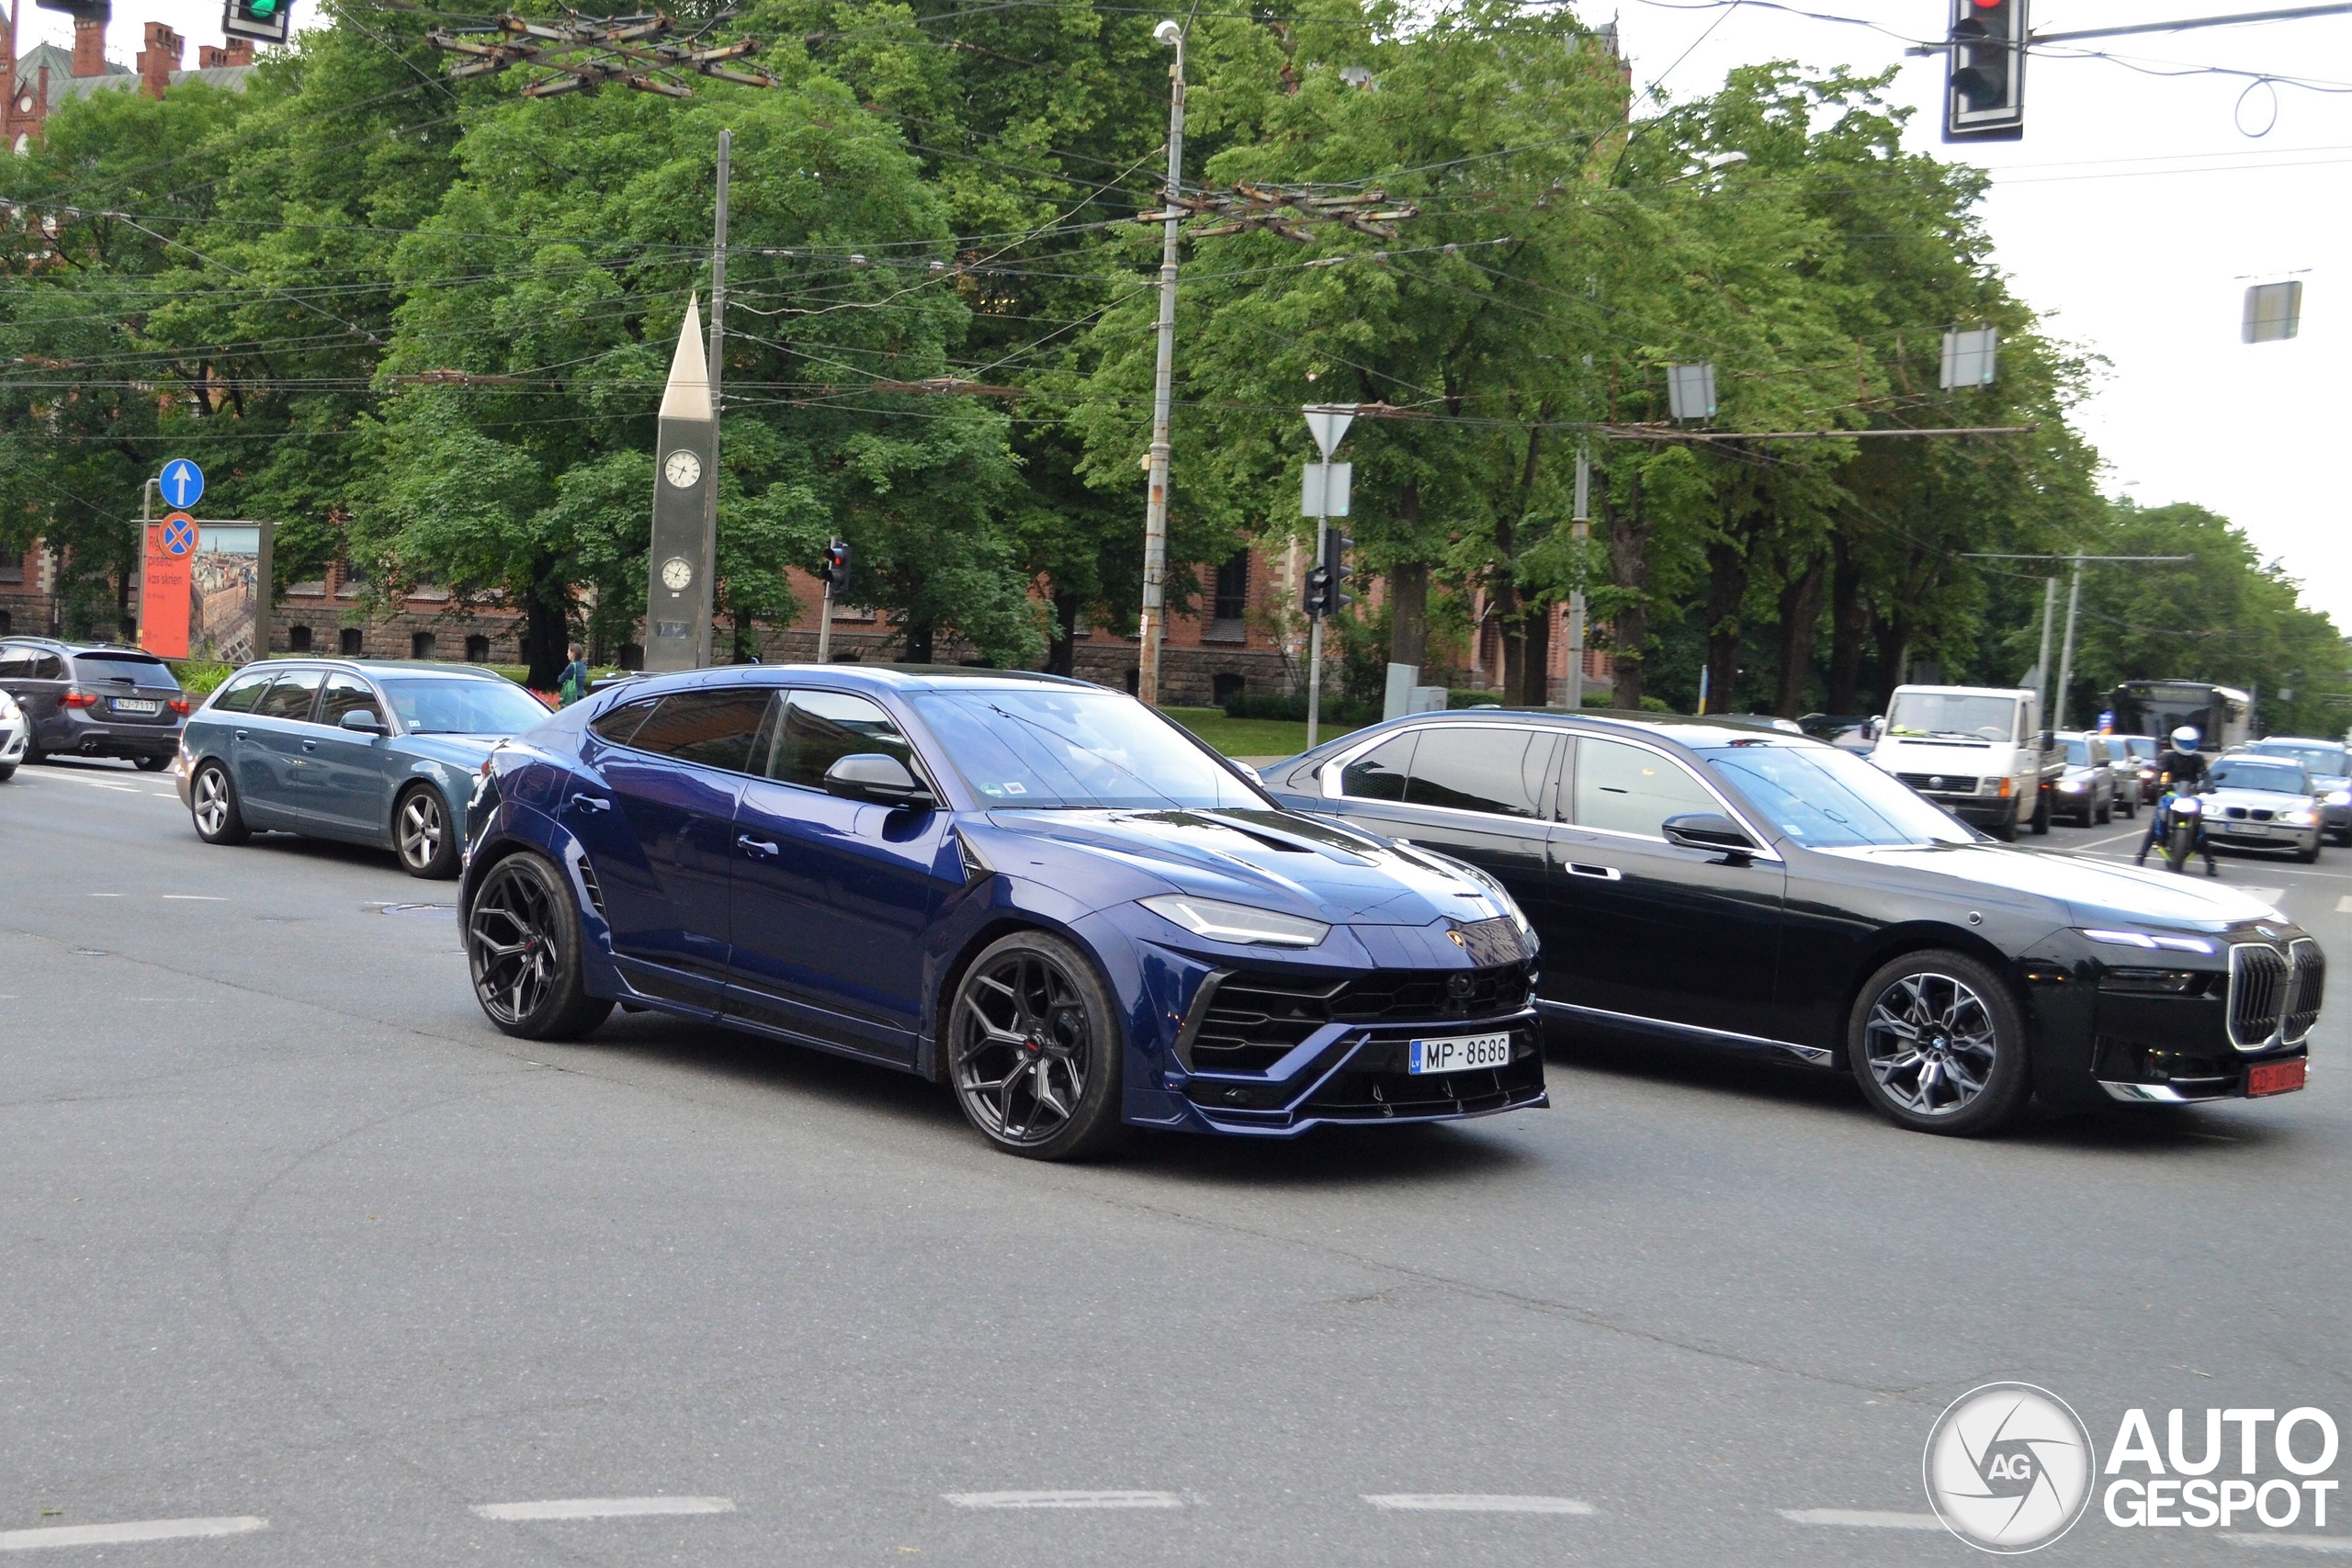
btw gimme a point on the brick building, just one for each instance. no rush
(45, 75)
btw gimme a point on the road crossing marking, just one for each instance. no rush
(604, 1507)
(122, 1534)
(2344, 905)
(1064, 1499)
(1475, 1503)
(1862, 1518)
(193, 898)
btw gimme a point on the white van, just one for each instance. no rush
(1978, 751)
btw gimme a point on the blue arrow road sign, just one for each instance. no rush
(183, 484)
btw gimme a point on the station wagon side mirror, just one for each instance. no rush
(1710, 830)
(364, 720)
(877, 779)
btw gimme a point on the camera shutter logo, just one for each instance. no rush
(2009, 1467)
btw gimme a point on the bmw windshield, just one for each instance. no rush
(446, 706)
(1829, 799)
(1061, 748)
(2244, 772)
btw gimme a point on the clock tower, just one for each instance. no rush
(685, 548)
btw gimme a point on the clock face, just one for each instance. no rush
(682, 470)
(677, 571)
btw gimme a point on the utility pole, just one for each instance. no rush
(1155, 525)
(2057, 711)
(717, 334)
(2041, 664)
(1579, 529)
(2066, 657)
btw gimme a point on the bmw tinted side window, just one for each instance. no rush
(15, 663)
(48, 667)
(240, 694)
(714, 729)
(289, 695)
(1629, 789)
(621, 723)
(821, 727)
(1379, 773)
(1493, 769)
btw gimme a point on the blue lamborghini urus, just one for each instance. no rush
(1037, 892)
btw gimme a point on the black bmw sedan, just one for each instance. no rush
(1037, 892)
(1759, 890)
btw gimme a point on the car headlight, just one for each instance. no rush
(2302, 819)
(2339, 797)
(2072, 786)
(2148, 939)
(1221, 921)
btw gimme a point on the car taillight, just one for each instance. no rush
(178, 704)
(78, 700)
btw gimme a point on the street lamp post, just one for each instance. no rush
(1155, 526)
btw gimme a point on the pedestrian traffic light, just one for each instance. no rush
(1984, 89)
(269, 21)
(835, 568)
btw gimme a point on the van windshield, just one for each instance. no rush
(1953, 716)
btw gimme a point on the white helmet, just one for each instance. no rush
(2184, 738)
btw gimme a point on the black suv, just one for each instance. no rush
(95, 700)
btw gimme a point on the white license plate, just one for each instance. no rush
(1460, 1055)
(135, 704)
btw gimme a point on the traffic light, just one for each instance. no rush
(1985, 90)
(1318, 592)
(1324, 596)
(268, 21)
(835, 568)
(82, 11)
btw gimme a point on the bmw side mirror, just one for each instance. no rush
(363, 720)
(876, 778)
(1709, 830)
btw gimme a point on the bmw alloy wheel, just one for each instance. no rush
(1930, 1044)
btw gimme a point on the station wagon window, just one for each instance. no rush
(1380, 773)
(347, 694)
(240, 694)
(1629, 789)
(1496, 770)
(48, 667)
(16, 662)
(289, 695)
(444, 704)
(714, 729)
(821, 727)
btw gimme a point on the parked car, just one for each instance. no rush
(375, 753)
(2255, 802)
(1033, 890)
(1774, 894)
(13, 735)
(2329, 762)
(94, 700)
(2142, 751)
(2086, 789)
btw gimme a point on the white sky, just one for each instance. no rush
(2132, 216)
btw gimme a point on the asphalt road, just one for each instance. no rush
(290, 1240)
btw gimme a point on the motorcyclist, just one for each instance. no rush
(2181, 771)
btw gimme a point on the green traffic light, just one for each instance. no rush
(262, 9)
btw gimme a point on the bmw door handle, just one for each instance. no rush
(763, 848)
(591, 802)
(1598, 873)
(309, 745)
(241, 735)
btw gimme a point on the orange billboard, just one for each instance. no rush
(163, 586)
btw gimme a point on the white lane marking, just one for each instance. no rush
(106, 895)
(604, 1507)
(98, 784)
(1862, 1518)
(1475, 1503)
(1064, 1499)
(194, 898)
(2344, 905)
(2306, 1542)
(135, 1530)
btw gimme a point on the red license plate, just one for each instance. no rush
(2275, 1077)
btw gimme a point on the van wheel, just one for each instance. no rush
(1939, 1046)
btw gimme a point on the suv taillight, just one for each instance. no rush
(179, 704)
(78, 700)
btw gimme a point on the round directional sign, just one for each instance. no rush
(182, 483)
(179, 535)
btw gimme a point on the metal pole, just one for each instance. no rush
(825, 625)
(1315, 632)
(2041, 665)
(1155, 525)
(1579, 529)
(717, 335)
(2066, 658)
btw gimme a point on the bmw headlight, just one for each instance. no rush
(1221, 921)
(2149, 940)
(2072, 786)
(2339, 797)
(2302, 819)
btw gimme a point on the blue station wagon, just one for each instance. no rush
(374, 753)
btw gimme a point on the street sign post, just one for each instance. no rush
(164, 579)
(1323, 495)
(182, 484)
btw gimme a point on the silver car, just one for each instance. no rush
(16, 734)
(2329, 762)
(2252, 802)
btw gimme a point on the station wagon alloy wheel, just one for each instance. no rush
(1931, 1044)
(212, 803)
(422, 829)
(1033, 1049)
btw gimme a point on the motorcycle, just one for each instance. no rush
(2180, 820)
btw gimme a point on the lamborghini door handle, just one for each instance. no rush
(763, 848)
(591, 802)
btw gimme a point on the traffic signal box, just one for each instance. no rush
(269, 21)
(1985, 90)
